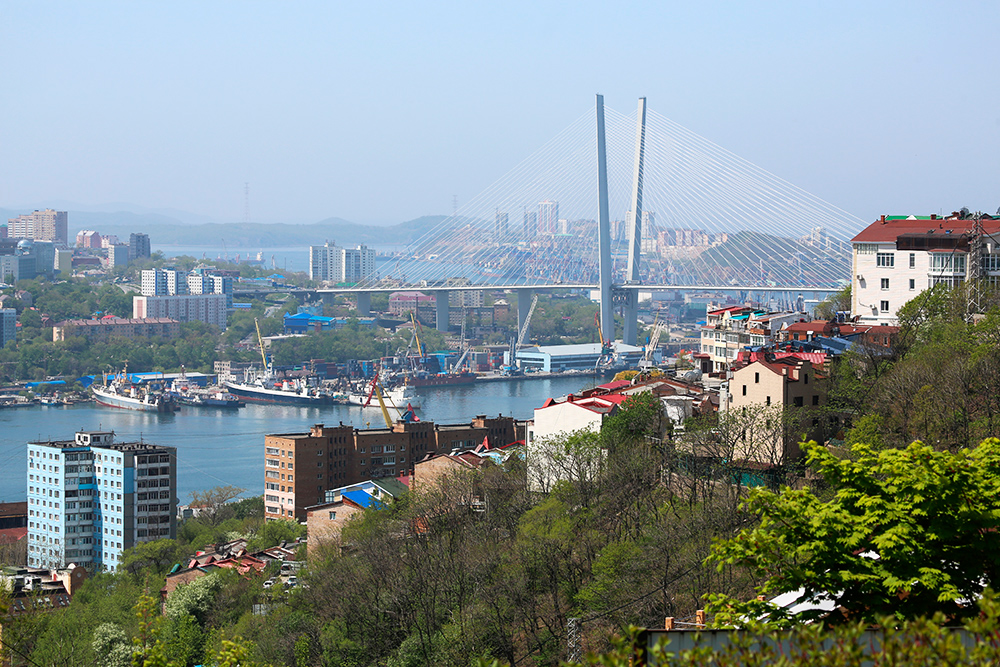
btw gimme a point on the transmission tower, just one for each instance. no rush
(975, 273)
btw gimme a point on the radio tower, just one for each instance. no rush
(246, 202)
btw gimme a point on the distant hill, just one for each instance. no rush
(166, 230)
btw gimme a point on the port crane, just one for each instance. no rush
(376, 391)
(654, 340)
(515, 345)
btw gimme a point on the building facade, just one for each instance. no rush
(47, 225)
(107, 328)
(334, 264)
(300, 467)
(208, 308)
(548, 217)
(91, 498)
(896, 258)
(138, 247)
(8, 326)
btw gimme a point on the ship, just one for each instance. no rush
(398, 396)
(123, 394)
(262, 387)
(211, 399)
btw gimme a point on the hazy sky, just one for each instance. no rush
(380, 111)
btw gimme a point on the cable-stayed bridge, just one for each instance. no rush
(624, 203)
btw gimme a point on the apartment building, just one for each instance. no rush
(209, 308)
(729, 330)
(91, 498)
(107, 328)
(47, 225)
(340, 265)
(300, 467)
(896, 258)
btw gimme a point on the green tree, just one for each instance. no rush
(906, 533)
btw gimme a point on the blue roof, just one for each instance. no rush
(360, 497)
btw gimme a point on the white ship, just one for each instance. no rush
(399, 397)
(120, 393)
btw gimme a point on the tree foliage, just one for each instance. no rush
(908, 532)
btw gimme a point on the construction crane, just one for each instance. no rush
(527, 321)
(416, 335)
(376, 391)
(654, 340)
(260, 343)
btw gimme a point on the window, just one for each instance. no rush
(884, 307)
(816, 399)
(768, 401)
(913, 260)
(946, 262)
(866, 248)
(798, 401)
(913, 283)
(756, 378)
(333, 515)
(885, 283)
(744, 390)
(805, 378)
(885, 259)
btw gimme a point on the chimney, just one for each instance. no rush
(933, 216)
(882, 220)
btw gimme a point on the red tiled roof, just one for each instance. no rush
(887, 231)
(617, 384)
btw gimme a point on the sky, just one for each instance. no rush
(380, 112)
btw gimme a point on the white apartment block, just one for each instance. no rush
(209, 308)
(159, 282)
(897, 257)
(91, 498)
(340, 265)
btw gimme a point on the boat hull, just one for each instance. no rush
(264, 395)
(128, 403)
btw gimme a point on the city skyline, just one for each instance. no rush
(180, 107)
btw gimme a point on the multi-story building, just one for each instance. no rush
(118, 255)
(548, 217)
(107, 328)
(160, 282)
(897, 257)
(786, 383)
(138, 247)
(208, 308)
(47, 225)
(91, 498)
(530, 225)
(300, 467)
(88, 238)
(500, 226)
(340, 265)
(728, 330)
(8, 326)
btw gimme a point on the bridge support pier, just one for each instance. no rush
(631, 316)
(442, 306)
(524, 297)
(364, 304)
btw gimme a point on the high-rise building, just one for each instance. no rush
(340, 265)
(91, 498)
(548, 217)
(159, 282)
(500, 229)
(8, 325)
(118, 255)
(47, 225)
(530, 223)
(138, 247)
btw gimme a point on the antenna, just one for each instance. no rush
(246, 202)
